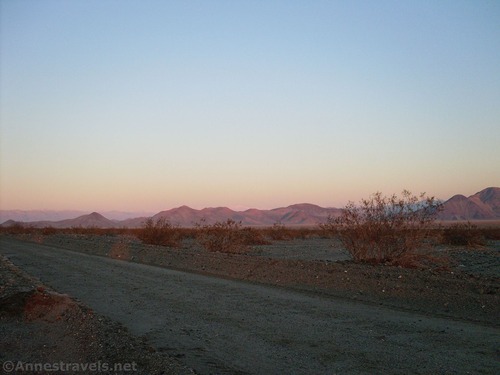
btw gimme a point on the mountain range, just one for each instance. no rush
(484, 205)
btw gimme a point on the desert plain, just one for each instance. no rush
(286, 306)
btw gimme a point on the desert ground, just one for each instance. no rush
(299, 306)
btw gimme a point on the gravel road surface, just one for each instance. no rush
(219, 326)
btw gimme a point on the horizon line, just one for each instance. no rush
(236, 208)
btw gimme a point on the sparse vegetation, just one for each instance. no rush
(48, 231)
(227, 236)
(278, 232)
(160, 232)
(385, 229)
(254, 237)
(17, 228)
(463, 234)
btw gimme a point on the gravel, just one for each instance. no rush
(465, 289)
(41, 326)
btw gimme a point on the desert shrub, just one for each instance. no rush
(49, 231)
(327, 230)
(384, 229)
(226, 236)
(188, 233)
(463, 234)
(279, 232)
(303, 233)
(492, 233)
(78, 230)
(17, 228)
(254, 237)
(161, 232)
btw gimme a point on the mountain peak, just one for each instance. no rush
(488, 194)
(458, 197)
(484, 205)
(301, 206)
(185, 208)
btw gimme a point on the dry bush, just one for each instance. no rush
(463, 234)
(78, 230)
(254, 237)
(226, 237)
(161, 232)
(491, 233)
(48, 231)
(385, 229)
(92, 231)
(303, 233)
(278, 232)
(17, 228)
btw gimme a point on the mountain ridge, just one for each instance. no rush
(483, 205)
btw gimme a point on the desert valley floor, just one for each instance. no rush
(296, 306)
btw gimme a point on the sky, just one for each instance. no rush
(149, 105)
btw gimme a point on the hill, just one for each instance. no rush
(484, 205)
(85, 221)
(305, 214)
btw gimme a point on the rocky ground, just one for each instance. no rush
(464, 285)
(38, 323)
(39, 326)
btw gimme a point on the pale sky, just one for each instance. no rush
(149, 105)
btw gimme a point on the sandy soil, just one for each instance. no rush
(468, 288)
(41, 326)
(465, 292)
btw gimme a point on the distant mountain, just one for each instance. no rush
(85, 221)
(52, 215)
(484, 205)
(299, 214)
(38, 215)
(303, 214)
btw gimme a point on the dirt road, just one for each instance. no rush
(221, 326)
